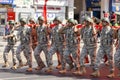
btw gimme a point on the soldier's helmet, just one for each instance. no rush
(23, 20)
(106, 20)
(89, 19)
(32, 19)
(71, 21)
(57, 19)
(40, 18)
(11, 22)
(76, 22)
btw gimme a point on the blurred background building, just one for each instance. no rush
(16, 9)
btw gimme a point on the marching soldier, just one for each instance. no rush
(42, 38)
(106, 48)
(11, 39)
(57, 41)
(25, 44)
(117, 53)
(88, 35)
(33, 26)
(71, 45)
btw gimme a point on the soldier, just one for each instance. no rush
(117, 53)
(33, 26)
(51, 26)
(25, 44)
(88, 35)
(42, 38)
(11, 39)
(57, 41)
(106, 48)
(71, 45)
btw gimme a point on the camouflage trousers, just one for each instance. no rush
(39, 48)
(7, 50)
(53, 49)
(108, 51)
(70, 50)
(117, 59)
(87, 51)
(27, 50)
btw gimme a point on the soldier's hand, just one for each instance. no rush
(4, 37)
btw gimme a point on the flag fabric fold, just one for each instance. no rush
(45, 11)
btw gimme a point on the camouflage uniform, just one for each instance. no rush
(71, 46)
(25, 40)
(42, 45)
(106, 47)
(89, 47)
(57, 43)
(10, 46)
(117, 53)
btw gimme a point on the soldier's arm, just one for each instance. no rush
(7, 36)
(10, 35)
(29, 34)
(115, 36)
(62, 30)
(94, 31)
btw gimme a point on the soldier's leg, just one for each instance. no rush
(13, 58)
(28, 52)
(78, 57)
(82, 56)
(5, 56)
(66, 59)
(99, 57)
(82, 70)
(50, 62)
(117, 60)
(18, 52)
(50, 54)
(59, 59)
(110, 61)
(75, 56)
(26, 57)
(45, 50)
(92, 53)
(38, 59)
(60, 50)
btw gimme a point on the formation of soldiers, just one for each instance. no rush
(64, 40)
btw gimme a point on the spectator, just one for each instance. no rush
(6, 29)
(113, 18)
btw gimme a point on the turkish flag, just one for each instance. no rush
(45, 12)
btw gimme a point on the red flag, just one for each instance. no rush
(45, 11)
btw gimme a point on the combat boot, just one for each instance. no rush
(29, 69)
(83, 70)
(71, 66)
(39, 67)
(50, 69)
(111, 75)
(26, 64)
(6, 64)
(62, 71)
(96, 73)
(20, 65)
(14, 67)
(59, 67)
(77, 72)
